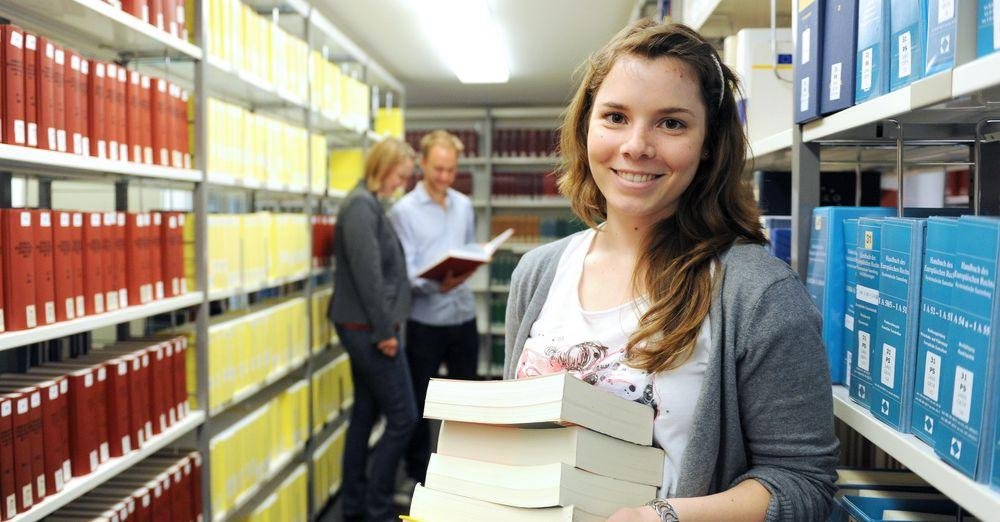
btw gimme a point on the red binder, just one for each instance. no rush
(137, 8)
(21, 430)
(14, 131)
(8, 496)
(111, 110)
(160, 388)
(184, 130)
(160, 122)
(156, 14)
(136, 258)
(170, 17)
(59, 88)
(134, 115)
(55, 428)
(154, 245)
(96, 121)
(85, 401)
(84, 96)
(108, 225)
(123, 152)
(118, 259)
(62, 264)
(79, 296)
(45, 291)
(31, 87)
(71, 73)
(45, 61)
(172, 125)
(146, 121)
(93, 261)
(32, 435)
(19, 268)
(172, 254)
(117, 402)
(180, 376)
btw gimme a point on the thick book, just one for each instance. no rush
(63, 268)
(41, 478)
(96, 82)
(117, 400)
(895, 348)
(428, 504)
(45, 95)
(71, 93)
(969, 375)
(20, 431)
(808, 59)
(572, 445)
(825, 276)
(871, 77)
(84, 94)
(988, 28)
(78, 269)
(951, 30)
(31, 88)
(552, 400)
(111, 109)
(45, 291)
(850, 283)
(839, 48)
(55, 425)
(159, 103)
(14, 131)
(8, 494)
(866, 301)
(121, 119)
(464, 260)
(908, 33)
(93, 261)
(59, 89)
(133, 115)
(109, 281)
(539, 486)
(155, 252)
(19, 268)
(933, 344)
(88, 411)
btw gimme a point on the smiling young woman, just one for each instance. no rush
(672, 292)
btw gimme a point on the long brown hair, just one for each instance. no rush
(716, 210)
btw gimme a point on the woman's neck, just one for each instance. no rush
(624, 236)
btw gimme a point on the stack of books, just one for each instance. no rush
(545, 448)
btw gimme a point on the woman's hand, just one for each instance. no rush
(388, 346)
(636, 514)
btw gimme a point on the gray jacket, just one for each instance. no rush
(370, 283)
(765, 410)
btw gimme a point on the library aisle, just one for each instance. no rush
(171, 175)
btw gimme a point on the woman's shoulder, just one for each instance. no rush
(750, 270)
(539, 258)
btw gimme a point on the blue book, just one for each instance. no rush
(949, 42)
(850, 281)
(825, 275)
(873, 509)
(968, 395)
(995, 461)
(937, 282)
(988, 34)
(866, 301)
(808, 60)
(895, 348)
(840, 40)
(872, 63)
(908, 30)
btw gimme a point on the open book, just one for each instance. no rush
(465, 259)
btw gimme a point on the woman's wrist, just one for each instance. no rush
(664, 511)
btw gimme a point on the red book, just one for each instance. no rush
(8, 496)
(169, 382)
(154, 245)
(156, 14)
(172, 125)
(93, 261)
(160, 122)
(97, 398)
(170, 17)
(121, 135)
(19, 268)
(118, 259)
(21, 431)
(55, 428)
(62, 265)
(84, 97)
(118, 409)
(180, 376)
(79, 296)
(45, 96)
(84, 400)
(146, 122)
(160, 386)
(108, 226)
(31, 87)
(14, 131)
(111, 110)
(59, 88)
(33, 394)
(45, 290)
(169, 251)
(133, 128)
(96, 117)
(136, 257)
(185, 130)
(71, 77)
(137, 8)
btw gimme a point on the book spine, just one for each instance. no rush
(808, 60)
(134, 126)
(46, 95)
(111, 116)
(45, 301)
(84, 98)
(108, 226)
(850, 283)
(19, 266)
(988, 23)
(908, 30)
(118, 408)
(121, 116)
(93, 262)
(865, 307)
(872, 61)
(21, 429)
(35, 440)
(96, 107)
(155, 254)
(31, 88)
(53, 435)
(14, 130)
(59, 88)
(83, 434)
(159, 122)
(118, 259)
(79, 273)
(71, 78)
(8, 494)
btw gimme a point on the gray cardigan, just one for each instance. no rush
(370, 283)
(765, 410)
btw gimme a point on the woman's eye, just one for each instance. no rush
(615, 117)
(672, 124)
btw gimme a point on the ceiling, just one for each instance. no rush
(546, 40)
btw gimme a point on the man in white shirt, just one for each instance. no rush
(430, 220)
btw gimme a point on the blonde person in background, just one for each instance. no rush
(371, 301)
(670, 299)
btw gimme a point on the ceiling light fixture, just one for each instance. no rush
(467, 36)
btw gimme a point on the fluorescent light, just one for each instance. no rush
(467, 37)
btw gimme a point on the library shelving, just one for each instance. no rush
(328, 103)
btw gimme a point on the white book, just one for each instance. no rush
(429, 505)
(547, 485)
(572, 445)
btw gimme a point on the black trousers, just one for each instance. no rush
(427, 346)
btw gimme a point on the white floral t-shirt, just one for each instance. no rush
(590, 344)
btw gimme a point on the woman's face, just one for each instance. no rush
(396, 178)
(646, 135)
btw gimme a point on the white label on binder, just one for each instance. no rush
(804, 95)
(866, 69)
(88, 380)
(932, 376)
(867, 295)
(16, 39)
(45, 219)
(64, 387)
(11, 506)
(19, 132)
(99, 303)
(905, 55)
(50, 312)
(145, 500)
(53, 393)
(33, 134)
(946, 10)
(36, 399)
(59, 479)
(159, 289)
(25, 219)
(5, 409)
(30, 42)
(31, 319)
(67, 469)
(26, 495)
(102, 374)
(864, 347)
(122, 368)
(961, 404)
(126, 444)
(50, 51)
(61, 139)
(888, 364)
(40, 486)
(806, 46)
(22, 406)
(849, 322)
(80, 312)
(105, 452)
(93, 460)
